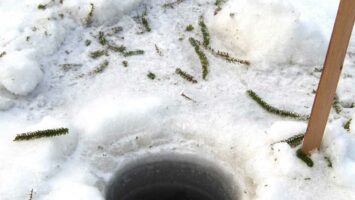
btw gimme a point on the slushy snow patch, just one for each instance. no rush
(268, 31)
(19, 72)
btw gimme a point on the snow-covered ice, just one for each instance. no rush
(47, 81)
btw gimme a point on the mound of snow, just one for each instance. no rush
(269, 31)
(19, 72)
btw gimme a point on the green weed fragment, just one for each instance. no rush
(151, 75)
(201, 56)
(347, 125)
(330, 164)
(133, 53)
(97, 54)
(41, 134)
(102, 38)
(69, 66)
(125, 63)
(2, 54)
(90, 15)
(276, 111)
(101, 67)
(185, 75)
(120, 49)
(204, 30)
(189, 28)
(146, 23)
(304, 158)
(336, 105)
(224, 55)
(42, 6)
(218, 5)
(172, 4)
(87, 42)
(294, 141)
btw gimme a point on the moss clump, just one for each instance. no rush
(125, 63)
(304, 158)
(189, 28)
(204, 30)
(101, 67)
(90, 15)
(151, 75)
(276, 111)
(185, 75)
(41, 134)
(42, 6)
(97, 54)
(87, 42)
(102, 38)
(336, 105)
(2, 54)
(120, 49)
(133, 53)
(201, 56)
(347, 125)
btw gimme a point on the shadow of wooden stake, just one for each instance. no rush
(330, 76)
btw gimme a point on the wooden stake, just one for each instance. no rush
(330, 76)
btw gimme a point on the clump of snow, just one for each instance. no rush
(19, 72)
(115, 117)
(269, 31)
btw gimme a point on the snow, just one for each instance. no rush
(120, 114)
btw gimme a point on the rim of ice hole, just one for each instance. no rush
(171, 177)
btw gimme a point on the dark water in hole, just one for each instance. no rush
(170, 178)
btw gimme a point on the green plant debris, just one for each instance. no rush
(336, 105)
(201, 56)
(224, 55)
(294, 141)
(42, 6)
(347, 125)
(204, 30)
(307, 179)
(90, 15)
(120, 49)
(276, 111)
(87, 43)
(304, 158)
(187, 97)
(101, 67)
(2, 54)
(151, 75)
(117, 29)
(70, 66)
(218, 5)
(329, 162)
(102, 38)
(158, 50)
(125, 63)
(185, 75)
(31, 195)
(97, 54)
(189, 28)
(145, 23)
(133, 53)
(41, 134)
(172, 4)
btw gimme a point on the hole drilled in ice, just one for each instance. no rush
(170, 177)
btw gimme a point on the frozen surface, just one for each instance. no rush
(48, 80)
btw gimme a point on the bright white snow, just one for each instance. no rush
(119, 114)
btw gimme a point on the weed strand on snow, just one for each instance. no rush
(97, 54)
(102, 38)
(185, 75)
(204, 30)
(88, 19)
(218, 5)
(172, 4)
(99, 69)
(347, 125)
(304, 158)
(145, 22)
(201, 56)
(2, 54)
(41, 134)
(151, 75)
(274, 110)
(336, 105)
(133, 53)
(293, 141)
